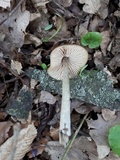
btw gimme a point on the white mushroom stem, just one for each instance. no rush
(65, 122)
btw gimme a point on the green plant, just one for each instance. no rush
(114, 139)
(58, 30)
(91, 39)
(48, 27)
(44, 66)
(82, 69)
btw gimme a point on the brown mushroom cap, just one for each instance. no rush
(76, 55)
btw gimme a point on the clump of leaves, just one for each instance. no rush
(114, 139)
(91, 39)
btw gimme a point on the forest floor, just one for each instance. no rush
(29, 106)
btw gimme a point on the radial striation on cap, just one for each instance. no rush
(76, 55)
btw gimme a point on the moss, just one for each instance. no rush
(20, 106)
(93, 87)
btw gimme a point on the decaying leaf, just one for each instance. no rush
(31, 39)
(40, 4)
(105, 41)
(55, 150)
(26, 136)
(99, 132)
(47, 97)
(108, 114)
(91, 6)
(16, 66)
(98, 58)
(5, 3)
(13, 29)
(4, 129)
(115, 62)
(103, 11)
(54, 133)
(66, 3)
(38, 147)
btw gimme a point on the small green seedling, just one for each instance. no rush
(44, 66)
(48, 27)
(82, 69)
(114, 139)
(91, 39)
(56, 32)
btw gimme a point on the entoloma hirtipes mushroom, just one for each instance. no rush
(65, 63)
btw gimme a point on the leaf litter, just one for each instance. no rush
(34, 110)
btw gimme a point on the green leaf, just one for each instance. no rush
(48, 27)
(92, 39)
(44, 66)
(114, 139)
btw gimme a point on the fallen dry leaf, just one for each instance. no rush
(66, 3)
(98, 58)
(2, 115)
(55, 150)
(26, 136)
(84, 108)
(31, 39)
(108, 114)
(4, 129)
(40, 4)
(16, 66)
(47, 97)
(91, 6)
(105, 41)
(14, 29)
(99, 132)
(115, 62)
(38, 147)
(5, 3)
(54, 133)
(103, 11)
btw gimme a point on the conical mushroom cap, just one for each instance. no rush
(76, 55)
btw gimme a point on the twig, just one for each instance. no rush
(73, 138)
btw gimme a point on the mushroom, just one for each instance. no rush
(66, 62)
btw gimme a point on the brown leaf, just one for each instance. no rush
(84, 108)
(4, 129)
(91, 6)
(105, 41)
(99, 133)
(14, 28)
(39, 146)
(108, 114)
(55, 150)
(54, 133)
(47, 97)
(26, 136)
(16, 66)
